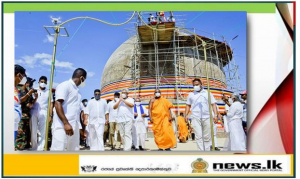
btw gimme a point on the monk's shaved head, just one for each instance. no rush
(125, 91)
(137, 99)
(157, 91)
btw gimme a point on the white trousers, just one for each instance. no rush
(215, 135)
(138, 138)
(96, 132)
(226, 142)
(61, 141)
(236, 135)
(202, 133)
(38, 128)
(226, 128)
(88, 135)
(125, 132)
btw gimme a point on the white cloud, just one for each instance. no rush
(48, 38)
(58, 63)
(29, 61)
(16, 45)
(44, 59)
(90, 74)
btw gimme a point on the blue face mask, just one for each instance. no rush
(97, 97)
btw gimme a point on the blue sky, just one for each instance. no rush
(91, 43)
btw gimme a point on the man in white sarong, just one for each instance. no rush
(97, 116)
(139, 128)
(226, 128)
(234, 117)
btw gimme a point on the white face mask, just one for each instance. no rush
(23, 81)
(138, 103)
(157, 94)
(82, 84)
(116, 99)
(197, 88)
(230, 100)
(43, 85)
(124, 95)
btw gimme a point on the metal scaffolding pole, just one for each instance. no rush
(176, 71)
(212, 68)
(198, 57)
(236, 74)
(156, 60)
(217, 55)
(229, 80)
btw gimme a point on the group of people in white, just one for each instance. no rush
(126, 118)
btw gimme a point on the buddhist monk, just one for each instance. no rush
(160, 116)
(182, 129)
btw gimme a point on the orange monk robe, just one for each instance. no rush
(182, 129)
(162, 128)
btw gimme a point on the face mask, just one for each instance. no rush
(28, 88)
(82, 84)
(43, 85)
(85, 103)
(124, 95)
(97, 97)
(230, 100)
(138, 103)
(157, 94)
(23, 81)
(116, 99)
(197, 88)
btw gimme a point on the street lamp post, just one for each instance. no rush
(50, 86)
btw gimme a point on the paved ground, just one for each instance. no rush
(189, 146)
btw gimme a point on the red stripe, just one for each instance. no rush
(294, 12)
(16, 99)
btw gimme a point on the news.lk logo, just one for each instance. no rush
(270, 165)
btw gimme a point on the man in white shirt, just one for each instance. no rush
(198, 104)
(234, 117)
(139, 128)
(244, 102)
(124, 118)
(226, 128)
(66, 124)
(113, 123)
(97, 118)
(39, 116)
